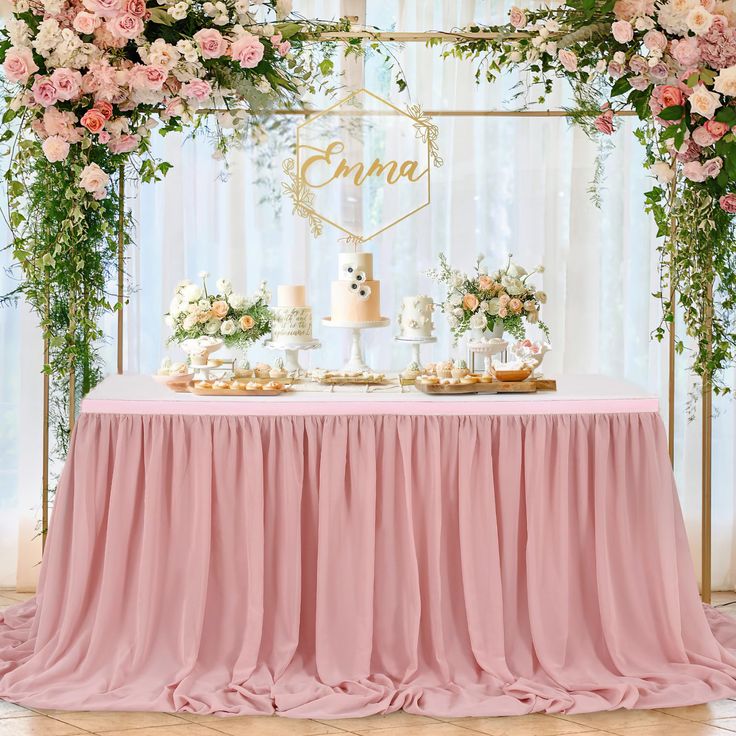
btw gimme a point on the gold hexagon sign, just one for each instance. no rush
(362, 165)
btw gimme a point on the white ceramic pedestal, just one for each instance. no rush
(487, 349)
(291, 352)
(356, 362)
(416, 344)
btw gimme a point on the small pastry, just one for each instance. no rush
(203, 384)
(244, 371)
(221, 384)
(178, 369)
(470, 378)
(444, 370)
(460, 370)
(254, 386)
(411, 372)
(238, 385)
(262, 370)
(278, 370)
(429, 380)
(486, 378)
(274, 386)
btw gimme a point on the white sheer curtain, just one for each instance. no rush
(508, 186)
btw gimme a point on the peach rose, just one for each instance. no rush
(93, 120)
(485, 282)
(246, 322)
(104, 107)
(516, 306)
(470, 301)
(220, 309)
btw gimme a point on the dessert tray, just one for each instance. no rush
(341, 378)
(237, 388)
(485, 386)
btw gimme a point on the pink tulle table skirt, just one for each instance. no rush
(332, 565)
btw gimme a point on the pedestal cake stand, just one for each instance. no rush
(291, 352)
(486, 348)
(416, 343)
(356, 362)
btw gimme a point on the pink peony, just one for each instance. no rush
(93, 120)
(211, 43)
(568, 60)
(44, 92)
(604, 122)
(68, 83)
(655, 40)
(124, 143)
(718, 46)
(125, 26)
(55, 148)
(623, 31)
(712, 167)
(151, 77)
(86, 22)
(248, 50)
(199, 89)
(136, 7)
(686, 52)
(19, 65)
(103, 8)
(728, 203)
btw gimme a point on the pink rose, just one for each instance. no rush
(93, 120)
(68, 83)
(125, 26)
(623, 31)
(728, 203)
(103, 137)
(470, 301)
(702, 137)
(655, 40)
(638, 64)
(86, 22)
(103, 8)
(220, 309)
(211, 43)
(19, 65)
(693, 171)
(686, 52)
(93, 179)
(604, 122)
(669, 95)
(517, 17)
(640, 83)
(174, 108)
(503, 312)
(151, 77)
(504, 299)
(716, 128)
(568, 60)
(712, 167)
(105, 108)
(276, 39)
(55, 148)
(63, 124)
(615, 70)
(659, 71)
(199, 89)
(124, 144)
(136, 7)
(44, 92)
(284, 47)
(248, 50)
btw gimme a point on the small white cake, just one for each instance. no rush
(356, 297)
(292, 319)
(415, 317)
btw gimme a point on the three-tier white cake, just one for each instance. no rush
(356, 297)
(292, 318)
(415, 317)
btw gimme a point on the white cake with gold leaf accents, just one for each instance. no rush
(356, 297)
(292, 319)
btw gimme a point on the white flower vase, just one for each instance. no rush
(498, 329)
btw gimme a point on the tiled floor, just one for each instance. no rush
(714, 719)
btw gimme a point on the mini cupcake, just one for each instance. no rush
(411, 372)
(244, 371)
(444, 370)
(263, 370)
(460, 369)
(278, 370)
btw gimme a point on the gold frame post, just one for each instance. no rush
(707, 454)
(121, 263)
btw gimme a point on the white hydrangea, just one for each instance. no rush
(673, 15)
(53, 7)
(18, 32)
(49, 34)
(188, 50)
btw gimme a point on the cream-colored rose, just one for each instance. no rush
(228, 327)
(663, 171)
(699, 21)
(212, 327)
(246, 322)
(192, 292)
(93, 179)
(703, 101)
(189, 321)
(726, 82)
(220, 309)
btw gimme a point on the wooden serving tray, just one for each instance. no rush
(232, 392)
(495, 387)
(351, 381)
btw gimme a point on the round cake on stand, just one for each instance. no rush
(356, 304)
(291, 327)
(416, 325)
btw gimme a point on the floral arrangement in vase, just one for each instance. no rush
(235, 319)
(501, 301)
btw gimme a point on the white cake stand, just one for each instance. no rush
(356, 362)
(291, 352)
(416, 344)
(486, 348)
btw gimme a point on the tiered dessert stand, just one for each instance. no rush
(486, 348)
(416, 345)
(291, 352)
(356, 362)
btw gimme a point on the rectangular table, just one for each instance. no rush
(342, 553)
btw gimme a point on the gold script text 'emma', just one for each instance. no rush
(326, 166)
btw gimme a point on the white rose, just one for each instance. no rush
(224, 286)
(458, 312)
(663, 171)
(228, 327)
(456, 299)
(493, 306)
(516, 271)
(179, 11)
(237, 301)
(192, 293)
(212, 327)
(699, 21)
(478, 321)
(726, 81)
(516, 56)
(703, 101)
(189, 321)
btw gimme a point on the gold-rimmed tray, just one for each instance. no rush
(494, 387)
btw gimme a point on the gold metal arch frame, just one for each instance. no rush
(424, 37)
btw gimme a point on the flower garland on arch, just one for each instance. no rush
(674, 63)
